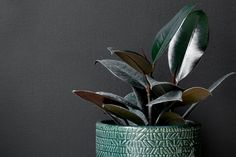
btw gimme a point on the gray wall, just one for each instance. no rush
(47, 48)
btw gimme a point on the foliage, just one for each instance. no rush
(152, 102)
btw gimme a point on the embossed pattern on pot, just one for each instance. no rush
(147, 141)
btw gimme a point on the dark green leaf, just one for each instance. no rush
(117, 120)
(171, 118)
(123, 113)
(174, 95)
(140, 114)
(135, 60)
(160, 88)
(164, 36)
(219, 81)
(119, 99)
(141, 98)
(194, 94)
(188, 45)
(100, 98)
(211, 89)
(132, 99)
(124, 72)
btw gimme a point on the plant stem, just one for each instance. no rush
(148, 89)
(189, 110)
(173, 80)
(149, 107)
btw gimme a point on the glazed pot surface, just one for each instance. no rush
(147, 141)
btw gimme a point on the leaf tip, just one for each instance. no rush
(210, 94)
(76, 92)
(111, 50)
(96, 61)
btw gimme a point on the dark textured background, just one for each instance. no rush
(47, 48)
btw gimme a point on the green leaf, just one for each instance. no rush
(135, 60)
(188, 45)
(140, 114)
(160, 88)
(132, 99)
(171, 118)
(141, 98)
(211, 89)
(165, 35)
(100, 98)
(195, 94)
(219, 81)
(119, 99)
(124, 72)
(174, 95)
(123, 113)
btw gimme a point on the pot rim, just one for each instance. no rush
(188, 124)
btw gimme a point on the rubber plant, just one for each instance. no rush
(152, 102)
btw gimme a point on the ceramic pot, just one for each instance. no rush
(147, 141)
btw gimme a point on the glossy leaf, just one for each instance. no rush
(123, 113)
(100, 98)
(165, 35)
(219, 81)
(174, 95)
(160, 88)
(135, 60)
(132, 99)
(195, 94)
(92, 97)
(188, 45)
(120, 99)
(141, 98)
(124, 72)
(165, 108)
(211, 89)
(171, 118)
(140, 114)
(117, 120)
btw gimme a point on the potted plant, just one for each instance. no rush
(145, 122)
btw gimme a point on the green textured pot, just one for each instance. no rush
(147, 141)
